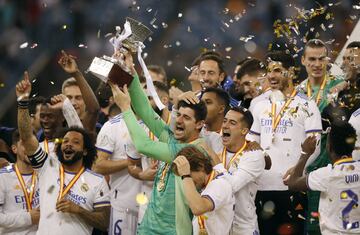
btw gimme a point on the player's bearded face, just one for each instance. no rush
(71, 150)
(278, 76)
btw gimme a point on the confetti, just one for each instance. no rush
(178, 43)
(226, 11)
(148, 9)
(98, 34)
(180, 15)
(51, 189)
(24, 45)
(189, 29)
(164, 25)
(169, 63)
(142, 199)
(34, 45)
(189, 70)
(228, 49)
(2, 85)
(82, 45)
(357, 7)
(52, 83)
(64, 27)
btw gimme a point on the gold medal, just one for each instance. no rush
(161, 185)
(202, 231)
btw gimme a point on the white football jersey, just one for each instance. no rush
(14, 218)
(115, 139)
(212, 139)
(50, 145)
(90, 191)
(355, 122)
(219, 220)
(245, 172)
(259, 98)
(339, 212)
(302, 117)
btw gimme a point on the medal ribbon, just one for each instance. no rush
(201, 218)
(276, 118)
(320, 91)
(63, 191)
(233, 158)
(28, 196)
(46, 146)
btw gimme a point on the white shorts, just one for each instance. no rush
(123, 222)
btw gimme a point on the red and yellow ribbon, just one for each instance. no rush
(343, 160)
(46, 146)
(63, 191)
(28, 196)
(276, 118)
(234, 157)
(320, 91)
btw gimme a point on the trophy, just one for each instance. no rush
(113, 68)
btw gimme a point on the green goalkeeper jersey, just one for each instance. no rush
(167, 212)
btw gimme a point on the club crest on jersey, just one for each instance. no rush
(17, 187)
(84, 187)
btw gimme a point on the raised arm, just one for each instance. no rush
(296, 181)
(23, 89)
(141, 104)
(142, 142)
(68, 63)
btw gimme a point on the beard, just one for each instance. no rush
(238, 95)
(76, 157)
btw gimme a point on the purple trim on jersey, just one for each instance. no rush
(313, 130)
(101, 204)
(254, 132)
(104, 150)
(213, 203)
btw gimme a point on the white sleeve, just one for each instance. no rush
(131, 151)
(218, 191)
(102, 195)
(318, 180)
(14, 220)
(70, 114)
(2, 190)
(105, 141)
(248, 170)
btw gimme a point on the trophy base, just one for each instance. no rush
(107, 70)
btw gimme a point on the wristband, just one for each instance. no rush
(185, 176)
(23, 104)
(303, 153)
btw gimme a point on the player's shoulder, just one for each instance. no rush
(7, 170)
(302, 97)
(115, 120)
(356, 113)
(95, 176)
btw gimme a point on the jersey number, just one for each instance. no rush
(345, 195)
(117, 228)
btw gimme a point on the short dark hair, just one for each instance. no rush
(88, 139)
(247, 116)
(34, 102)
(161, 86)
(216, 58)
(159, 70)
(199, 109)
(285, 58)
(250, 67)
(353, 44)
(197, 159)
(103, 94)
(315, 43)
(342, 138)
(221, 94)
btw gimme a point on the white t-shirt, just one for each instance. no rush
(14, 218)
(219, 220)
(245, 172)
(115, 139)
(212, 139)
(340, 190)
(302, 117)
(51, 146)
(355, 122)
(90, 191)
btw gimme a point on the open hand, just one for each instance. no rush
(121, 98)
(68, 63)
(189, 97)
(23, 88)
(309, 145)
(67, 206)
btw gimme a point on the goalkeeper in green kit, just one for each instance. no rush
(167, 212)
